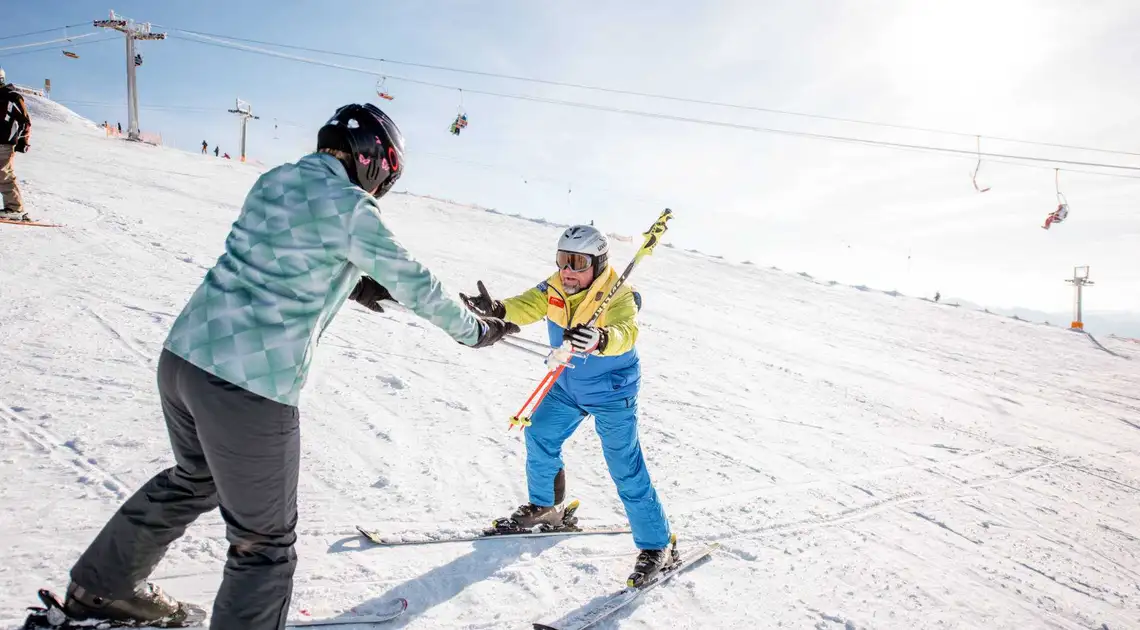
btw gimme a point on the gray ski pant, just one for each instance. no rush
(234, 450)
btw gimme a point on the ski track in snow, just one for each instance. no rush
(867, 460)
(67, 451)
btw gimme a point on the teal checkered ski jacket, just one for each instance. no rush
(304, 237)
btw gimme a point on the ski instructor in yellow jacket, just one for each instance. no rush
(603, 384)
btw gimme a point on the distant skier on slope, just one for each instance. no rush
(232, 369)
(604, 385)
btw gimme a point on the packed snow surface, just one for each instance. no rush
(868, 460)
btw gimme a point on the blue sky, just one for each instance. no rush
(1039, 69)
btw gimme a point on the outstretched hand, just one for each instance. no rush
(483, 305)
(494, 329)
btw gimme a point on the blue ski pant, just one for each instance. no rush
(556, 419)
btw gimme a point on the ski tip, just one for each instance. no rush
(370, 535)
(542, 626)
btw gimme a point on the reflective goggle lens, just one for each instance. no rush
(574, 260)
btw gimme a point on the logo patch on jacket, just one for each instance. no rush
(557, 301)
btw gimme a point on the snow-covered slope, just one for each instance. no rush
(867, 461)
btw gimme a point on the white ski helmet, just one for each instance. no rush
(3, 77)
(589, 240)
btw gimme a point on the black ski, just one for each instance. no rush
(591, 614)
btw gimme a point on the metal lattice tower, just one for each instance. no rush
(1079, 280)
(133, 32)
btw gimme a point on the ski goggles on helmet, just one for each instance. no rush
(574, 261)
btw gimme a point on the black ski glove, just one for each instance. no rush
(586, 339)
(369, 293)
(482, 304)
(22, 146)
(494, 329)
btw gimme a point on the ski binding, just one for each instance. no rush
(52, 617)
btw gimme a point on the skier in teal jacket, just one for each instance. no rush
(232, 369)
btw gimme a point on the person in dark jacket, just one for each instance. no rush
(15, 134)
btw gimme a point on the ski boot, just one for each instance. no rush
(15, 216)
(536, 518)
(651, 562)
(82, 609)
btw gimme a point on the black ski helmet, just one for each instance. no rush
(373, 141)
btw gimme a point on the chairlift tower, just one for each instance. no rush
(245, 111)
(133, 32)
(1079, 280)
